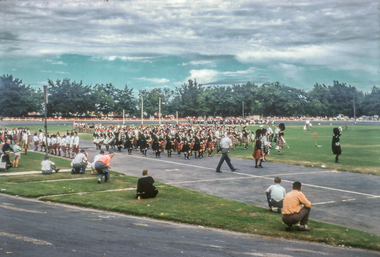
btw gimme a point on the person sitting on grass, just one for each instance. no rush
(293, 212)
(145, 188)
(17, 154)
(275, 195)
(102, 166)
(80, 163)
(48, 166)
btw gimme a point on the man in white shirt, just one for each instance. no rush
(48, 166)
(225, 144)
(75, 144)
(275, 195)
(68, 147)
(96, 158)
(80, 163)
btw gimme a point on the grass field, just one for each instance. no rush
(360, 145)
(173, 204)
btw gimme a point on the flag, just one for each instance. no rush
(315, 134)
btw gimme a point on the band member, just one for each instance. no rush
(143, 143)
(63, 145)
(75, 145)
(244, 138)
(179, 146)
(59, 142)
(25, 137)
(336, 144)
(36, 142)
(257, 153)
(169, 144)
(129, 142)
(280, 139)
(185, 141)
(156, 144)
(41, 141)
(197, 145)
(210, 143)
(68, 146)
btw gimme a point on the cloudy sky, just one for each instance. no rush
(163, 43)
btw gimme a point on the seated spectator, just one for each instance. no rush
(5, 158)
(48, 166)
(275, 195)
(6, 148)
(293, 212)
(17, 154)
(102, 166)
(96, 158)
(145, 188)
(80, 163)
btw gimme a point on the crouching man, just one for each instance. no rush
(275, 195)
(293, 211)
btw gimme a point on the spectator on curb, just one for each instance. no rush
(293, 212)
(145, 188)
(275, 195)
(48, 166)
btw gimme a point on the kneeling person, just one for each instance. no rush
(145, 188)
(293, 212)
(48, 166)
(275, 195)
(80, 163)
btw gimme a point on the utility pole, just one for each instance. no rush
(123, 117)
(243, 108)
(45, 103)
(159, 110)
(176, 115)
(142, 110)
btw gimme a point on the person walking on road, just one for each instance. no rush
(225, 144)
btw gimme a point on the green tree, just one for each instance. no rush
(343, 99)
(319, 101)
(17, 99)
(68, 98)
(371, 102)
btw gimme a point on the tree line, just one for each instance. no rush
(70, 98)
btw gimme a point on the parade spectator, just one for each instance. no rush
(48, 166)
(275, 195)
(80, 163)
(145, 187)
(102, 166)
(293, 211)
(96, 158)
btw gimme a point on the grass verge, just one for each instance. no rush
(178, 205)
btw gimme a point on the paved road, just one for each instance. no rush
(32, 228)
(342, 198)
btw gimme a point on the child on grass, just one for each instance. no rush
(17, 154)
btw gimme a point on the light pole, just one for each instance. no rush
(45, 103)
(159, 110)
(142, 110)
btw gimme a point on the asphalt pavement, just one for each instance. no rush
(32, 228)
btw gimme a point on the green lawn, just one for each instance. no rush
(175, 204)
